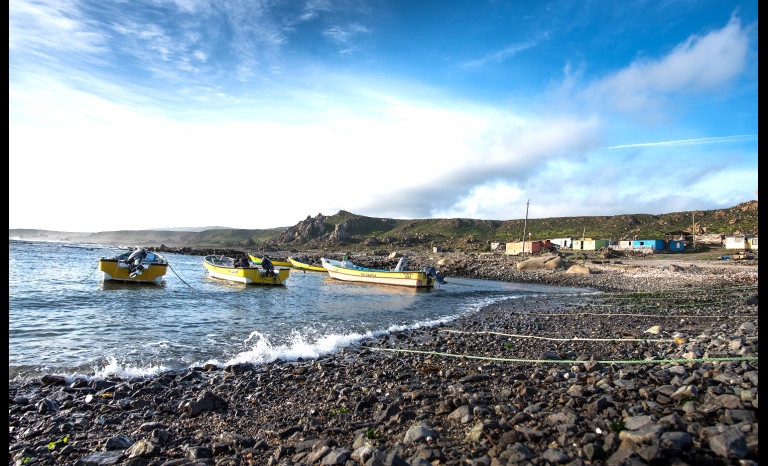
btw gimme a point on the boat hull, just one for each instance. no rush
(247, 275)
(115, 270)
(257, 260)
(412, 279)
(302, 266)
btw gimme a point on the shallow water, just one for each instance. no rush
(63, 319)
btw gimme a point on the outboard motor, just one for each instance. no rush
(401, 266)
(268, 267)
(134, 262)
(431, 272)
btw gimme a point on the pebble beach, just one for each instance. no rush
(659, 366)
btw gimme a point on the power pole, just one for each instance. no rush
(693, 230)
(525, 224)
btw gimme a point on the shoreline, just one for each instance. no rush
(381, 402)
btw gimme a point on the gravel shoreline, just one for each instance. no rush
(548, 380)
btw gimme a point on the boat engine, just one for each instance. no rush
(268, 267)
(431, 272)
(134, 262)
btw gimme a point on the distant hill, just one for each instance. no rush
(150, 238)
(352, 231)
(347, 229)
(192, 229)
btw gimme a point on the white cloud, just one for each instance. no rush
(689, 142)
(701, 63)
(498, 56)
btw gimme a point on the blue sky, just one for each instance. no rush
(255, 114)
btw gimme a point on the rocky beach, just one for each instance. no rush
(658, 367)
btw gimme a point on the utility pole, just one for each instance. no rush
(525, 224)
(693, 230)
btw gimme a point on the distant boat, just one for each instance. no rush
(302, 266)
(345, 270)
(140, 266)
(257, 260)
(226, 268)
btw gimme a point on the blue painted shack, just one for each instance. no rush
(652, 244)
(676, 246)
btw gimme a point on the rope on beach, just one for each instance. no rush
(182, 280)
(658, 305)
(560, 361)
(634, 294)
(631, 314)
(658, 340)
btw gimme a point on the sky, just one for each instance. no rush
(138, 114)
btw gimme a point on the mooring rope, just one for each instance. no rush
(89, 275)
(182, 280)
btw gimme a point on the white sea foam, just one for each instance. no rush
(310, 345)
(128, 371)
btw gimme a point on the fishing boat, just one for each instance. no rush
(226, 268)
(140, 266)
(302, 266)
(257, 260)
(347, 271)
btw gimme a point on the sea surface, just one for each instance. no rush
(63, 319)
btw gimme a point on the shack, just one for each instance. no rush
(676, 246)
(741, 242)
(648, 244)
(565, 243)
(589, 244)
(531, 247)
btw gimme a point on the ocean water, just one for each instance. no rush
(63, 319)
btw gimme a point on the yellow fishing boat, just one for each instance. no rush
(139, 266)
(302, 266)
(257, 260)
(345, 270)
(226, 268)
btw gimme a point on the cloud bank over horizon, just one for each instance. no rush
(254, 115)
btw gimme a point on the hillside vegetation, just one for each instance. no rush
(351, 231)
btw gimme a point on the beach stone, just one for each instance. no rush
(676, 440)
(336, 457)
(550, 355)
(144, 449)
(101, 458)
(48, 379)
(197, 452)
(46, 406)
(655, 330)
(517, 453)
(686, 391)
(539, 263)
(207, 401)
(637, 422)
(593, 451)
(463, 414)
(419, 432)
(729, 444)
(118, 442)
(317, 454)
(579, 269)
(645, 434)
(555, 456)
(362, 454)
